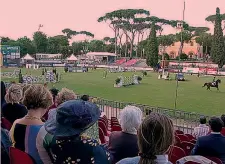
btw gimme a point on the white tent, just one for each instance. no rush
(28, 57)
(72, 58)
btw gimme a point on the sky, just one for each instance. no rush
(21, 17)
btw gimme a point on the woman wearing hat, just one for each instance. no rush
(68, 144)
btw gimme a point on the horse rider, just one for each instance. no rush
(214, 80)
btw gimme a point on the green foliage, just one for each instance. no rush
(186, 36)
(166, 40)
(56, 43)
(218, 46)
(205, 40)
(166, 56)
(139, 78)
(40, 41)
(152, 48)
(183, 56)
(117, 80)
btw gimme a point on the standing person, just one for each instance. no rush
(69, 144)
(212, 145)
(155, 136)
(24, 131)
(13, 110)
(123, 144)
(202, 129)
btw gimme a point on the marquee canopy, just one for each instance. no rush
(72, 58)
(28, 57)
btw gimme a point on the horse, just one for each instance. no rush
(210, 84)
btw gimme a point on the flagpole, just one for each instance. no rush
(179, 53)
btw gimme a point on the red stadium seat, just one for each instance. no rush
(116, 128)
(179, 132)
(102, 125)
(215, 159)
(19, 157)
(187, 147)
(5, 124)
(177, 141)
(101, 136)
(183, 137)
(193, 141)
(190, 137)
(175, 153)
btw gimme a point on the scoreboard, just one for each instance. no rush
(11, 55)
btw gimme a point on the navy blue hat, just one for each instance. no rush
(73, 118)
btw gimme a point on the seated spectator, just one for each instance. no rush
(124, 144)
(24, 131)
(85, 98)
(5, 144)
(69, 144)
(202, 129)
(54, 93)
(12, 110)
(212, 145)
(63, 96)
(155, 135)
(3, 93)
(223, 129)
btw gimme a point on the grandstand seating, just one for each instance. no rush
(120, 61)
(130, 62)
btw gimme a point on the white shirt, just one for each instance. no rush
(201, 130)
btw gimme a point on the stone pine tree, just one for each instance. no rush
(218, 50)
(152, 48)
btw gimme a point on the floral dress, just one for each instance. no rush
(93, 132)
(80, 150)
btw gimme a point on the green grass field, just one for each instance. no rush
(160, 93)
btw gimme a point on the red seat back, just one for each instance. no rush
(193, 141)
(6, 124)
(177, 141)
(179, 132)
(175, 153)
(101, 125)
(19, 157)
(116, 128)
(183, 137)
(187, 147)
(215, 159)
(190, 137)
(101, 135)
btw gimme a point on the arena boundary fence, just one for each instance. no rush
(184, 121)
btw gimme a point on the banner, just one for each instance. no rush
(11, 55)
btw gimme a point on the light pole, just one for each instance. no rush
(180, 51)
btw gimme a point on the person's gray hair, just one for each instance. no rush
(130, 119)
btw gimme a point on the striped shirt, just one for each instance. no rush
(201, 130)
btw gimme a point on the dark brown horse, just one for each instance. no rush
(212, 84)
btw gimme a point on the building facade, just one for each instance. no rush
(192, 49)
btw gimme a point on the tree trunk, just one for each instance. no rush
(132, 44)
(138, 44)
(126, 46)
(115, 32)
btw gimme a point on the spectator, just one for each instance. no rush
(202, 129)
(223, 129)
(3, 93)
(5, 144)
(212, 145)
(25, 87)
(12, 110)
(69, 144)
(54, 93)
(124, 144)
(24, 131)
(155, 135)
(85, 98)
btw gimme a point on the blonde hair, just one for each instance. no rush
(14, 94)
(65, 95)
(130, 119)
(155, 136)
(37, 96)
(25, 87)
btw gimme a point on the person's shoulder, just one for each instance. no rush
(133, 160)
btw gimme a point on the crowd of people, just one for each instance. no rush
(55, 126)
